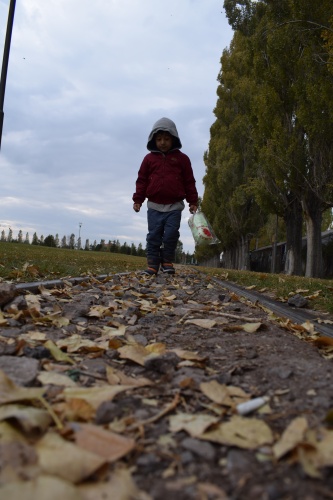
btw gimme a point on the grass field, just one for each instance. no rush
(26, 263)
(23, 263)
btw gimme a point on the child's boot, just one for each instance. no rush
(167, 267)
(152, 267)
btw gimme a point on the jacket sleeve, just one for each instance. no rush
(142, 182)
(189, 183)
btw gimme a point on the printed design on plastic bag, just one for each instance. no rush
(201, 230)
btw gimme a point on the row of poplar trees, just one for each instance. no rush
(271, 146)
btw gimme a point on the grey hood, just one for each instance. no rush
(164, 125)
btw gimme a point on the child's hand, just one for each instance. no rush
(136, 207)
(193, 209)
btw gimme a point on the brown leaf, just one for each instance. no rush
(106, 444)
(66, 460)
(323, 341)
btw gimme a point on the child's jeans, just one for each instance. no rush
(163, 235)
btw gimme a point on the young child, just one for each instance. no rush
(166, 179)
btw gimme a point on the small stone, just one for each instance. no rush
(200, 448)
(106, 412)
(20, 370)
(7, 293)
(38, 352)
(162, 364)
(297, 301)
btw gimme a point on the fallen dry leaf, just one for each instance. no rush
(195, 425)
(44, 486)
(54, 378)
(29, 418)
(57, 353)
(223, 394)
(76, 343)
(106, 444)
(203, 323)
(10, 392)
(94, 395)
(117, 377)
(120, 487)
(8, 433)
(291, 437)
(247, 433)
(66, 460)
(189, 355)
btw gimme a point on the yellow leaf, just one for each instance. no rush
(291, 437)
(10, 392)
(136, 353)
(57, 353)
(42, 487)
(247, 433)
(8, 434)
(322, 442)
(116, 377)
(189, 355)
(55, 378)
(76, 343)
(156, 348)
(3, 320)
(98, 311)
(36, 335)
(195, 425)
(120, 487)
(203, 323)
(251, 327)
(117, 330)
(222, 394)
(28, 417)
(33, 304)
(94, 395)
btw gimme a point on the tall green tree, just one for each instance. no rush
(291, 113)
(230, 161)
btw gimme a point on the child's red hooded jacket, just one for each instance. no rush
(165, 178)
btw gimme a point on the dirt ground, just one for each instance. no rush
(146, 376)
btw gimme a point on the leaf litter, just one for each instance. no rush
(138, 390)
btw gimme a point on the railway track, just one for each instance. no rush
(298, 316)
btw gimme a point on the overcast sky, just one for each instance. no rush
(86, 81)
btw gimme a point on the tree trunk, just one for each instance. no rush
(293, 220)
(244, 257)
(313, 217)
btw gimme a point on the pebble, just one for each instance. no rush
(200, 448)
(21, 370)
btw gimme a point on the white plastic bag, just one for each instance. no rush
(201, 229)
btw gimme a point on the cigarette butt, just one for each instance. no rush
(253, 404)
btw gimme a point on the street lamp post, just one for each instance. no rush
(5, 60)
(79, 240)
